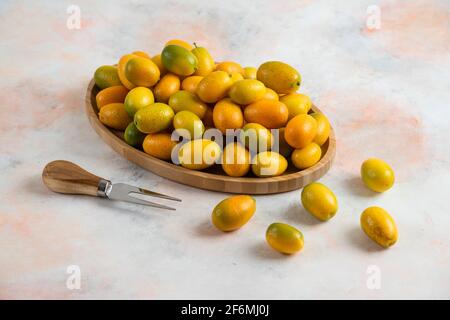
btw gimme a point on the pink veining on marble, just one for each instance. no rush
(414, 29)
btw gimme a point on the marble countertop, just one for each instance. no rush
(384, 87)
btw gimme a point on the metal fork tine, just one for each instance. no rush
(133, 189)
(147, 203)
(123, 192)
(156, 194)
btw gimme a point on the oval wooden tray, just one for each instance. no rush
(213, 178)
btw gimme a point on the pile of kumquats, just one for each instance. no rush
(183, 106)
(253, 114)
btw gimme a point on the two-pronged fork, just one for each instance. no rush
(66, 177)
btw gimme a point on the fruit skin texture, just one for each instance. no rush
(180, 43)
(235, 160)
(377, 175)
(297, 103)
(250, 73)
(133, 136)
(271, 95)
(167, 86)
(284, 238)
(157, 60)
(300, 131)
(190, 83)
(199, 154)
(319, 200)
(247, 91)
(269, 113)
(205, 64)
(138, 98)
(114, 94)
(214, 86)
(188, 125)
(323, 128)
(307, 156)
(269, 164)
(106, 76)
(256, 137)
(159, 145)
(179, 60)
(236, 76)
(233, 212)
(114, 116)
(227, 115)
(185, 100)
(121, 70)
(142, 72)
(230, 67)
(379, 226)
(154, 118)
(279, 76)
(141, 54)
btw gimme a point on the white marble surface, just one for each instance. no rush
(386, 92)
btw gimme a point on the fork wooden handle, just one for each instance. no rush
(66, 177)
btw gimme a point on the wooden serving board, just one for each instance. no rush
(212, 178)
